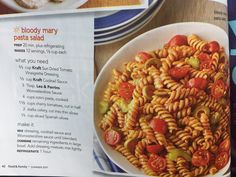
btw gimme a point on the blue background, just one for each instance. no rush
(232, 43)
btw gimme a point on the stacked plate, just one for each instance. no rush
(114, 26)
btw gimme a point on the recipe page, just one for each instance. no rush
(46, 95)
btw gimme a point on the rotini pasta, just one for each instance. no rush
(168, 110)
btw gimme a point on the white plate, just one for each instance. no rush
(102, 14)
(130, 29)
(151, 40)
(106, 21)
(67, 4)
(131, 23)
(121, 35)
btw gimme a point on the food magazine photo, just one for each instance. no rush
(117, 88)
(161, 98)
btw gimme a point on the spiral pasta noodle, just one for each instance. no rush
(167, 112)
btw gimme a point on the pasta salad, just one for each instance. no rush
(168, 110)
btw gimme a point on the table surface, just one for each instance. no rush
(171, 11)
(109, 3)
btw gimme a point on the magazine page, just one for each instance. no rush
(161, 96)
(46, 95)
(42, 7)
(232, 42)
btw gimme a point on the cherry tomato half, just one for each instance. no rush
(221, 160)
(218, 89)
(142, 57)
(125, 90)
(112, 137)
(179, 72)
(201, 158)
(205, 61)
(157, 163)
(178, 40)
(154, 149)
(158, 125)
(199, 83)
(224, 146)
(212, 47)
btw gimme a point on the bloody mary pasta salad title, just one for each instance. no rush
(168, 111)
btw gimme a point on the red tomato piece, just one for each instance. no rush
(178, 40)
(142, 57)
(179, 72)
(212, 47)
(201, 158)
(157, 163)
(125, 90)
(224, 146)
(131, 145)
(112, 137)
(205, 64)
(158, 125)
(205, 61)
(199, 83)
(212, 158)
(218, 89)
(221, 160)
(204, 56)
(154, 149)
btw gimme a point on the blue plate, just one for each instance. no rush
(130, 24)
(117, 19)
